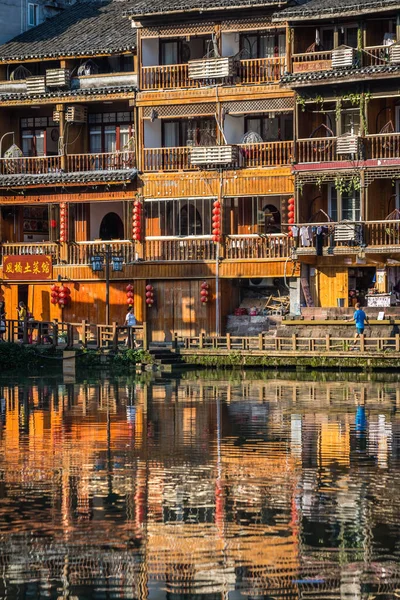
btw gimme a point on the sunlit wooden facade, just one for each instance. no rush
(344, 70)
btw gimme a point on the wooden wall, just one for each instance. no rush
(329, 284)
(380, 199)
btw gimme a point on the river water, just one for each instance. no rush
(205, 486)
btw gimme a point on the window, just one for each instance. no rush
(347, 35)
(254, 215)
(33, 11)
(33, 135)
(271, 128)
(181, 217)
(344, 205)
(110, 132)
(185, 132)
(351, 121)
(262, 45)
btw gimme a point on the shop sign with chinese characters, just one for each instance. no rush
(30, 268)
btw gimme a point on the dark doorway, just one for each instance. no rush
(272, 219)
(111, 227)
(23, 294)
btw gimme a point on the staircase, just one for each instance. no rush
(166, 359)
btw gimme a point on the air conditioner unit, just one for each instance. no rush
(57, 78)
(394, 54)
(347, 144)
(343, 57)
(211, 68)
(259, 282)
(35, 85)
(348, 232)
(213, 155)
(76, 114)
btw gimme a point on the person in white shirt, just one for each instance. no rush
(130, 321)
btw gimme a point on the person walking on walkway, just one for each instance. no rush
(130, 321)
(360, 319)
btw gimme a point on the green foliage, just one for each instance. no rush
(301, 101)
(129, 357)
(343, 184)
(27, 357)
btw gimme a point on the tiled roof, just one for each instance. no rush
(85, 92)
(143, 8)
(315, 77)
(323, 9)
(83, 177)
(87, 29)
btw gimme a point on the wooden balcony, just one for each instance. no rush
(312, 61)
(262, 70)
(265, 154)
(257, 70)
(376, 55)
(80, 253)
(315, 150)
(35, 249)
(382, 233)
(38, 165)
(253, 247)
(382, 145)
(180, 249)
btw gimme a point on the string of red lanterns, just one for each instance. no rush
(291, 215)
(60, 295)
(130, 295)
(216, 221)
(204, 292)
(63, 222)
(149, 295)
(137, 221)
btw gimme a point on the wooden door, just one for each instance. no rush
(332, 284)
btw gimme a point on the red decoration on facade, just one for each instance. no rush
(149, 295)
(204, 292)
(63, 222)
(216, 222)
(64, 296)
(130, 295)
(137, 221)
(291, 215)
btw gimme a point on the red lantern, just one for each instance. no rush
(204, 292)
(54, 301)
(54, 288)
(149, 288)
(61, 302)
(130, 301)
(204, 285)
(217, 204)
(215, 239)
(129, 287)
(129, 294)
(53, 223)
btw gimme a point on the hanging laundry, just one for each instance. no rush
(305, 236)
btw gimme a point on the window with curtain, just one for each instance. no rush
(345, 205)
(267, 44)
(277, 128)
(110, 132)
(180, 217)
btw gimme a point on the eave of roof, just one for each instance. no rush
(184, 9)
(86, 29)
(85, 92)
(339, 75)
(82, 177)
(333, 10)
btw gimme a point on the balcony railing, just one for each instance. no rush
(314, 150)
(265, 154)
(36, 249)
(180, 249)
(262, 70)
(80, 253)
(382, 145)
(257, 70)
(376, 55)
(37, 165)
(312, 61)
(255, 247)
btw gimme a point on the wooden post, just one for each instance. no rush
(146, 337)
(260, 341)
(397, 336)
(294, 342)
(98, 336)
(328, 342)
(228, 341)
(201, 340)
(115, 335)
(84, 334)
(362, 342)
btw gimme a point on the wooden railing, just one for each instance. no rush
(376, 55)
(166, 77)
(262, 70)
(290, 345)
(382, 233)
(78, 335)
(314, 150)
(80, 253)
(266, 154)
(167, 159)
(255, 247)
(312, 57)
(37, 165)
(382, 145)
(30, 165)
(180, 249)
(109, 161)
(35, 249)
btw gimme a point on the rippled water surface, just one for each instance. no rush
(200, 487)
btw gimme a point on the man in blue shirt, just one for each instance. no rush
(360, 319)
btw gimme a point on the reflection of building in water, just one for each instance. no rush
(247, 488)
